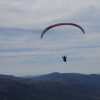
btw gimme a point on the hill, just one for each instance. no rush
(11, 77)
(58, 89)
(91, 80)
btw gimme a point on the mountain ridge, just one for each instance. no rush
(53, 86)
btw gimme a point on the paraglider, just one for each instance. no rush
(60, 24)
(64, 58)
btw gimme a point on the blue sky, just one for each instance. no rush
(23, 52)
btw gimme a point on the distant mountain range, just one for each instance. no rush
(53, 86)
(11, 77)
(92, 79)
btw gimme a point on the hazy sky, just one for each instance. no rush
(23, 52)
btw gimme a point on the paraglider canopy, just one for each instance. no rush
(60, 24)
